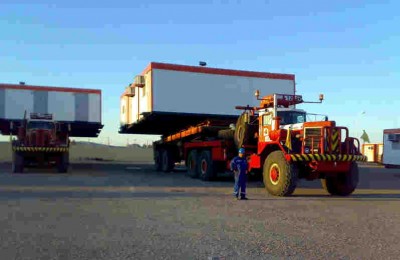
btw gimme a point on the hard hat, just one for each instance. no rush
(241, 150)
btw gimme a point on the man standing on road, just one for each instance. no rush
(239, 167)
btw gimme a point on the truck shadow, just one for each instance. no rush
(351, 197)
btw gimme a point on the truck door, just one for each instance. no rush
(265, 127)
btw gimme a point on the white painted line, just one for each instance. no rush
(133, 168)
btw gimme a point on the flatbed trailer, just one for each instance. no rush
(206, 149)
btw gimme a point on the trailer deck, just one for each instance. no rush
(167, 123)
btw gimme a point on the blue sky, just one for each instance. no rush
(347, 50)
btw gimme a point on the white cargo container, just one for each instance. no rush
(373, 152)
(81, 108)
(391, 147)
(164, 92)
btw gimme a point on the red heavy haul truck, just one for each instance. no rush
(280, 143)
(41, 140)
(194, 111)
(43, 118)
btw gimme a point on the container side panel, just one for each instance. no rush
(17, 102)
(144, 97)
(62, 105)
(148, 92)
(40, 101)
(94, 108)
(134, 108)
(391, 151)
(123, 110)
(81, 107)
(176, 91)
(2, 103)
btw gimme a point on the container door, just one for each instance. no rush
(40, 101)
(369, 151)
(81, 107)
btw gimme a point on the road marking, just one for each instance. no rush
(133, 168)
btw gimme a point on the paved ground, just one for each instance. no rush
(109, 211)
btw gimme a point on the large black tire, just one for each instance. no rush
(63, 162)
(279, 176)
(167, 161)
(17, 162)
(342, 184)
(206, 166)
(245, 132)
(158, 160)
(240, 131)
(191, 164)
(226, 134)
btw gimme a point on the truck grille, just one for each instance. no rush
(312, 138)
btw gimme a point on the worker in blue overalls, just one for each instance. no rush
(239, 166)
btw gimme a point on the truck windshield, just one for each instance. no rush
(291, 117)
(40, 125)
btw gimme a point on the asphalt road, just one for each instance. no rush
(117, 211)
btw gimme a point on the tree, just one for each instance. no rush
(365, 137)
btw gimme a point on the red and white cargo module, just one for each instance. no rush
(194, 110)
(188, 105)
(43, 118)
(391, 148)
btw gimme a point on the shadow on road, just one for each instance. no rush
(353, 196)
(28, 195)
(9, 195)
(144, 175)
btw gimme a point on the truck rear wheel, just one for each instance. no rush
(342, 184)
(63, 162)
(191, 164)
(17, 163)
(206, 166)
(280, 176)
(158, 160)
(167, 161)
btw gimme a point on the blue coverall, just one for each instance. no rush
(239, 167)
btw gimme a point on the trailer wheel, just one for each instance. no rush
(167, 161)
(279, 176)
(206, 166)
(191, 164)
(158, 160)
(17, 163)
(63, 162)
(342, 184)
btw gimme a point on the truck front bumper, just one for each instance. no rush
(40, 149)
(325, 157)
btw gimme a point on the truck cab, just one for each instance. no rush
(40, 132)
(40, 140)
(289, 146)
